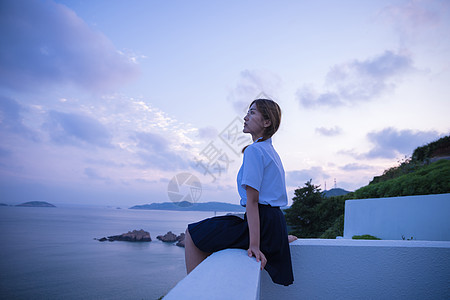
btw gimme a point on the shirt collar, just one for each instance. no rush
(269, 140)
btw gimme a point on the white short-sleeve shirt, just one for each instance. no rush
(262, 170)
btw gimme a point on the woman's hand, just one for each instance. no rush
(254, 251)
(292, 238)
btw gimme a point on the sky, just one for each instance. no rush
(120, 103)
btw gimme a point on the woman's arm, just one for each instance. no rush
(253, 225)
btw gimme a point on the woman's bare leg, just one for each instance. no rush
(192, 255)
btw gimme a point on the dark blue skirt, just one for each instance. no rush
(218, 233)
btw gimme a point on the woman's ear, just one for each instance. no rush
(267, 123)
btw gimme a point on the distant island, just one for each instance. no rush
(36, 204)
(188, 206)
(335, 192)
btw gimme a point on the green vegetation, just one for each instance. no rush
(314, 215)
(365, 237)
(337, 229)
(421, 156)
(439, 148)
(303, 216)
(427, 179)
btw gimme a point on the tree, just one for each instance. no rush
(302, 216)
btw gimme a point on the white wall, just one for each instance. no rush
(356, 269)
(421, 217)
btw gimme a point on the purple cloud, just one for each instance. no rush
(94, 175)
(43, 43)
(299, 177)
(329, 131)
(390, 142)
(358, 81)
(413, 17)
(10, 115)
(154, 151)
(151, 141)
(355, 167)
(77, 130)
(5, 152)
(11, 119)
(208, 133)
(252, 84)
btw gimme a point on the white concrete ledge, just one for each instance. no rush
(328, 269)
(227, 274)
(362, 269)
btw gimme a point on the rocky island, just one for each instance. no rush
(170, 237)
(130, 236)
(144, 236)
(36, 204)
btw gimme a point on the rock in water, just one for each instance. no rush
(130, 236)
(180, 240)
(168, 237)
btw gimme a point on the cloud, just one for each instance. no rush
(104, 162)
(155, 151)
(329, 131)
(5, 152)
(11, 119)
(151, 141)
(75, 129)
(10, 115)
(414, 17)
(208, 133)
(93, 175)
(391, 143)
(356, 167)
(358, 81)
(253, 84)
(299, 177)
(43, 43)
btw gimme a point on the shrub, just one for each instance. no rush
(365, 237)
(337, 229)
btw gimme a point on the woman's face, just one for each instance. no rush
(254, 123)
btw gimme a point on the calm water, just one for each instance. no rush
(50, 253)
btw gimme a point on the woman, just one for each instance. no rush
(261, 186)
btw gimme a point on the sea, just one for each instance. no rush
(51, 253)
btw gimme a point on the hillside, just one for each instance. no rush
(421, 156)
(436, 149)
(335, 192)
(427, 179)
(426, 172)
